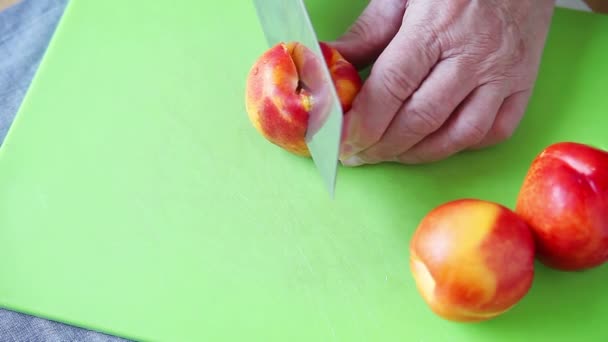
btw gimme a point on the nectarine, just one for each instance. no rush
(281, 94)
(564, 199)
(472, 260)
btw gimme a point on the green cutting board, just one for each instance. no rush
(137, 199)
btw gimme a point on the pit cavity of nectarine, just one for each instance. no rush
(277, 99)
(472, 260)
(564, 200)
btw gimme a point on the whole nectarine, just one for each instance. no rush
(280, 94)
(472, 259)
(564, 199)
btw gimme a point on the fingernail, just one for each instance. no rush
(353, 161)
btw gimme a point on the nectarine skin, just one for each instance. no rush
(278, 103)
(472, 260)
(564, 199)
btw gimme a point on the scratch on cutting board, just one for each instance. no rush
(306, 260)
(328, 321)
(322, 311)
(43, 200)
(331, 327)
(241, 195)
(318, 303)
(286, 225)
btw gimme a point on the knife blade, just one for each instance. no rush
(289, 21)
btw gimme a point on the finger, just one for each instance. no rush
(508, 118)
(397, 73)
(371, 32)
(467, 127)
(428, 108)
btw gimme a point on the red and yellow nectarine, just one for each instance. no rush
(279, 100)
(472, 260)
(564, 199)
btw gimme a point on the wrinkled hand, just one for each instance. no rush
(448, 75)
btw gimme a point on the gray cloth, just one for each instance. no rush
(20, 327)
(25, 31)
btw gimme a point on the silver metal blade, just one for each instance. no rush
(288, 21)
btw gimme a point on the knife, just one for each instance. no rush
(288, 21)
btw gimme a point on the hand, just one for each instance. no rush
(448, 75)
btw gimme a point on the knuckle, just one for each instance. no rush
(368, 134)
(502, 131)
(473, 134)
(363, 29)
(380, 154)
(486, 43)
(370, 157)
(481, 52)
(422, 120)
(411, 157)
(397, 85)
(492, 52)
(431, 42)
(470, 134)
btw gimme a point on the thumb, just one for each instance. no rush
(371, 32)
